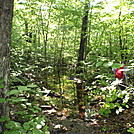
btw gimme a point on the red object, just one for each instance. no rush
(119, 73)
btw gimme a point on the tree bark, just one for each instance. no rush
(79, 85)
(120, 37)
(6, 14)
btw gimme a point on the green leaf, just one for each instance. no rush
(113, 97)
(111, 105)
(107, 105)
(1, 80)
(26, 125)
(22, 131)
(36, 131)
(7, 118)
(13, 92)
(117, 104)
(108, 99)
(20, 99)
(107, 111)
(14, 132)
(116, 65)
(45, 129)
(131, 130)
(6, 132)
(13, 125)
(3, 118)
(99, 64)
(32, 85)
(101, 111)
(2, 86)
(30, 133)
(109, 64)
(23, 88)
(36, 107)
(2, 100)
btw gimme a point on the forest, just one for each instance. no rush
(66, 67)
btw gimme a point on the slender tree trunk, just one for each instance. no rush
(88, 45)
(45, 32)
(120, 37)
(79, 84)
(110, 48)
(28, 33)
(123, 47)
(61, 56)
(6, 13)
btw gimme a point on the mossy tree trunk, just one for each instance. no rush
(6, 14)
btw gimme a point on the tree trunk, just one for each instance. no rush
(45, 32)
(6, 13)
(28, 33)
(79, 84)
(120, 37)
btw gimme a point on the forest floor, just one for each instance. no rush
(64, 120)
(60, 123)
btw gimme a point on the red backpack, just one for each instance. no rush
(119, 72)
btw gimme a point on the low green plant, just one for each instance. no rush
(35, 126)
(112, 95)
(26, 114)
(131, 130)
(105, 128)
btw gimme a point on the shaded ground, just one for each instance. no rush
(114, 124)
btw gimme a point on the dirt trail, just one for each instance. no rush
(114, 124)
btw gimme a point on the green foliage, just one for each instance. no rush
(104, 128)
(4, 118)
(112, 95)
(46, 38)
(25, 111)
(36, 125)
(1, 82)
(106, 63)
(2, 100)
(116, 65)
(131, 130)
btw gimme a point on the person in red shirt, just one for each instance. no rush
(119, 72)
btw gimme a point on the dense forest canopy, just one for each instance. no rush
(54, 27)
(66, 50)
